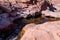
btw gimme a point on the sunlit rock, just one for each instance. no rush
(46, 31)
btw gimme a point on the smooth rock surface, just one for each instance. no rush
(46, 31)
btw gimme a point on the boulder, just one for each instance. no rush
(46, 31)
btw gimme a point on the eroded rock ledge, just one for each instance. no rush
(46, 31)
(55, 14)
(25, 7)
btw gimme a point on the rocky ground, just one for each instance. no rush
(18, 17)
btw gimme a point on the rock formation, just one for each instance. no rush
(20, 8)
(25, 7)
(46, 31)
(14, 13)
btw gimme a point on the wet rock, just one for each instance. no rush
(4, 20)
(8, 26)
(5, 9)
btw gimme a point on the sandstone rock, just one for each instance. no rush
(10, 4)
(55, 1)
(52, 14)
(57, 6)
(22, 8)
(46, 31)
(27, 8)
(29, 26)
(24, 0)
(41, 35)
